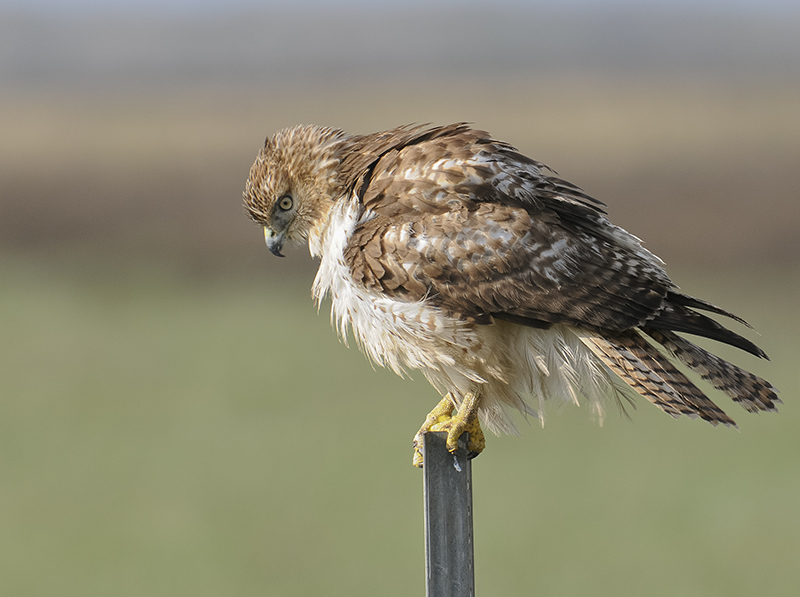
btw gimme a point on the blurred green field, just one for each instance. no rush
(167, 434)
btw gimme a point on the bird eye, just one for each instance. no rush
(285, 203)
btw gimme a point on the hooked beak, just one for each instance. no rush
(274, 240)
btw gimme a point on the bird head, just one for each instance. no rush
(293, 184)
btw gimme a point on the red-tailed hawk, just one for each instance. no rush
(447, 251)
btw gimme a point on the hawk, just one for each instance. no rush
(446, 251)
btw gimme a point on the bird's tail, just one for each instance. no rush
(749, 390)
(645, 369)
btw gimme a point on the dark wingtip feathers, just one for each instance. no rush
(679, 316)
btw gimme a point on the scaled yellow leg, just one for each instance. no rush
(441, 418)
(466, 419)
(441, 412)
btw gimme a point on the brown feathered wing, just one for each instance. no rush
(475, 228)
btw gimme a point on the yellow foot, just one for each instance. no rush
(441, 418)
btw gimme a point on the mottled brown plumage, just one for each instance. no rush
(451, 252)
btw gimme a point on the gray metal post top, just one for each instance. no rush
(449, 552)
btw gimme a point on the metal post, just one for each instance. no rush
(449, 555)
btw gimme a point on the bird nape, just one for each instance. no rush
(450, 252)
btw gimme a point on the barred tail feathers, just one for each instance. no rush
(647, 371)
(750, 391)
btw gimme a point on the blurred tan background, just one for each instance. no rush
(178, 420)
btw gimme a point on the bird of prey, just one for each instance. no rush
(446, 251)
